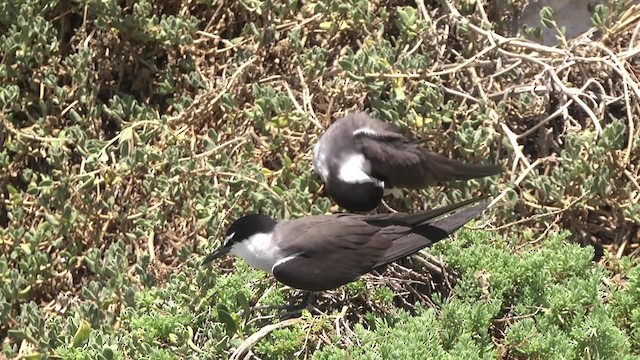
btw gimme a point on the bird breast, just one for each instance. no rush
(259, 251)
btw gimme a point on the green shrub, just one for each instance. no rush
(132, 133)
(535, 303)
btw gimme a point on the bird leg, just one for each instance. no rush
(308, 302)
(309, 298)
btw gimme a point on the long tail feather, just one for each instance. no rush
(430, 232)
(444, 169)
(419, 217)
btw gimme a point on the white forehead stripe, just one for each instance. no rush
(365, 131)
(226, 240)
(354, 170)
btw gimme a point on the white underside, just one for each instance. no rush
(259, 251)
(355, 169)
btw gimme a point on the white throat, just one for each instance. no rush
(259, 251)
(355, 169)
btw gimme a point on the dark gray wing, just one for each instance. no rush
(404, 163)
(429, 232)
(332, 251)
(418, 217)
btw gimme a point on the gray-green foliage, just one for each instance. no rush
(534, 302)
(131, 133)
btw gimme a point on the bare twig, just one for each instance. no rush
(252, 340)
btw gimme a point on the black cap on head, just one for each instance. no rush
(240, 230)
(248, 225)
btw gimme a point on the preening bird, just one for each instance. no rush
(359, 156)
(323, 252)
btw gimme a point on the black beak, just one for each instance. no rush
(216, 254)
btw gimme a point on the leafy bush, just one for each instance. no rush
(536, 302)
(131, 133)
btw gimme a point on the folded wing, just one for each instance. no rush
(334, 250)
(403, 163)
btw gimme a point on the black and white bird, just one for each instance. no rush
(323, 252)
(359, 156)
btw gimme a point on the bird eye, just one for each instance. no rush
(228, 238)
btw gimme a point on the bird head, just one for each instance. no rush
(241, 230)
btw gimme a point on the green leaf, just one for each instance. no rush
(82, 334)
(23, 293)
(346, 65)
(325, 25)
(18, 335)
(225, 317)
(546, 17)
(399, 93)
(462, 27)
(108, 353)
(243, 302)
(126, 134)
(75, 116)
(12, 190)
(89, 183)
(287, 161)
(51, 219)
(355, 77)
(278, 190)
(600, 14)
